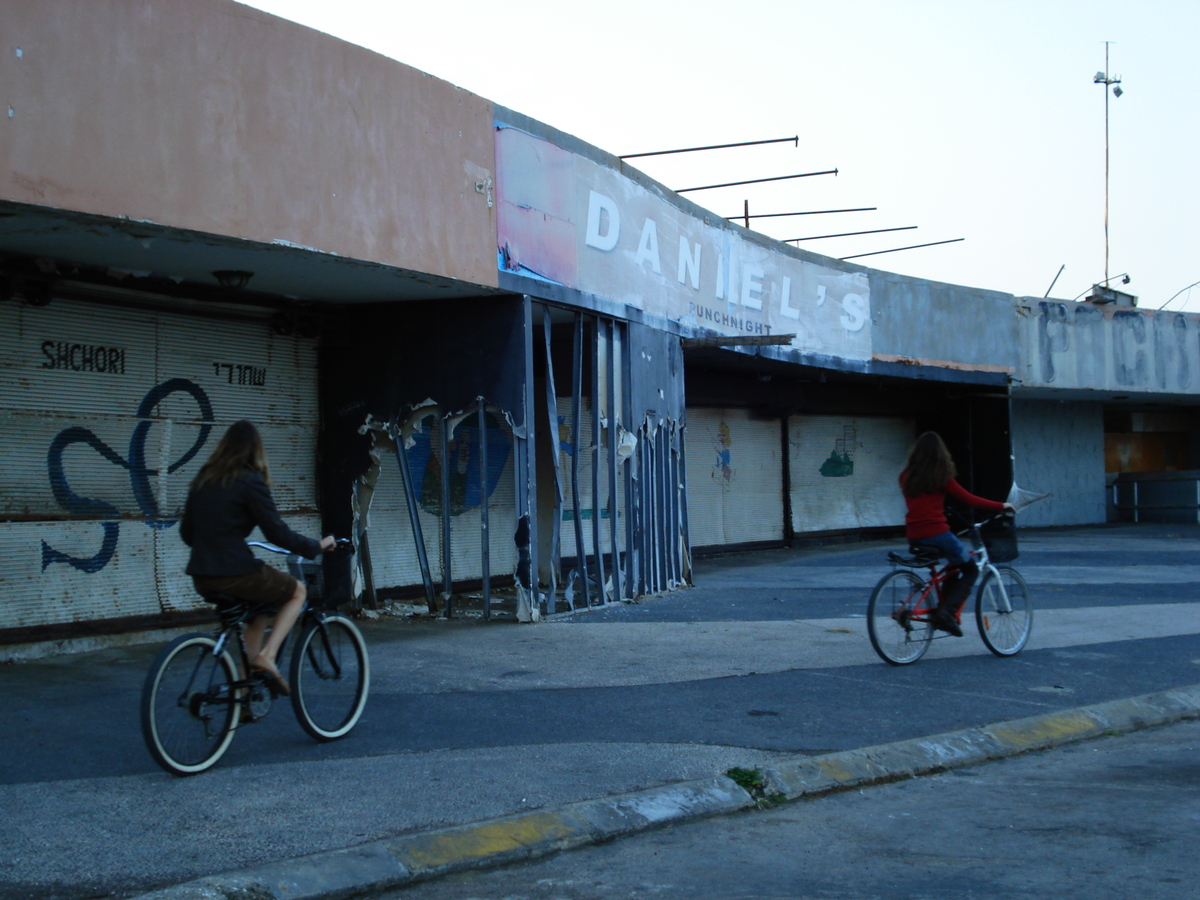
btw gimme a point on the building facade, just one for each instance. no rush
(502, 360)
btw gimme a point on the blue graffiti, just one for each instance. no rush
(466, 490)
(139, 475)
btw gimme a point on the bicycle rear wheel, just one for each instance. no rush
(331, 676)
(896, 637)
(1005, 618)
(189, 712)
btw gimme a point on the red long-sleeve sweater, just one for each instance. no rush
(926, 515)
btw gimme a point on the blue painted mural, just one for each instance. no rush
(464, 453)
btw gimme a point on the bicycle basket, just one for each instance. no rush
(1000, 538)
(311, 573)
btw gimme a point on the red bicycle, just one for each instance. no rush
(900, 612)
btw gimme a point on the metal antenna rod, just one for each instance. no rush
(814, 212)
(795, 139)
(821, 237)
(709, 187)
(1054, 282)
(898, 249)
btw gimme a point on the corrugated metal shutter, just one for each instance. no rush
(734, 477)
(106, 414)
(394, 560)
(843, 471)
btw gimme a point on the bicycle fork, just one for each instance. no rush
(1003, 604)
(334, 669)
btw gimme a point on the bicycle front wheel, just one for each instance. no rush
(895, 635)
(1004, 616)
(330, 676)
(188, 704)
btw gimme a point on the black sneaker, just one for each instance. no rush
(943, 620)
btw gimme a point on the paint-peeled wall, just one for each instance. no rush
(1059, 449)
(942, 325)
(212, 116)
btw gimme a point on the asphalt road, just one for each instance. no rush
(1108, 819)
(765, 658)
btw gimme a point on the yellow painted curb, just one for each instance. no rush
(501, 838)
(1046, 730)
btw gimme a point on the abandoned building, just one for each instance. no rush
(522, 375)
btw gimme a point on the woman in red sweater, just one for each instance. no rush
(926, 480)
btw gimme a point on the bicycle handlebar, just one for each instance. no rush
(341, 542)
(972, 525)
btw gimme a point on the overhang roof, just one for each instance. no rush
(150, 256)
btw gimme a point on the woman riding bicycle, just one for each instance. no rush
(926, 480)
(228, 497)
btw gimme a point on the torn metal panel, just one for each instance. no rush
(447, 555)
(384, 439)
(485, 546)
(526, 537)
(621, 462)
(608, 403)
(550, 503)
(576, 421)
(465, 479)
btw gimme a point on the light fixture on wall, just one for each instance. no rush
(232, 279)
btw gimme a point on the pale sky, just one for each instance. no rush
(968, 119)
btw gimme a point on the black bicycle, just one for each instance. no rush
(201, 689)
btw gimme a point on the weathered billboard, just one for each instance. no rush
(1084, 346)
(572, 221)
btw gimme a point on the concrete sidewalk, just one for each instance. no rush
(483, 743)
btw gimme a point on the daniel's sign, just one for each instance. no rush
(566, 219)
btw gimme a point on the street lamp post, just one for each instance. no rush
(1105, 79)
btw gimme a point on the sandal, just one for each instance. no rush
(271, 676)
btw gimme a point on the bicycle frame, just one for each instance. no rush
(200, 689)
(903, 611)
(937, 578)
(980, 554)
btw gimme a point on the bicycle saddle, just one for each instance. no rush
(221, 601)
(920, 558)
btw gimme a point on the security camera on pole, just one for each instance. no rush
(1105, 79)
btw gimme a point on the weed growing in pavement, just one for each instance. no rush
(752, 782)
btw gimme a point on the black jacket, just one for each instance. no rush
(218, 518)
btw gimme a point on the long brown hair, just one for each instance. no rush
(930, 466)
(241, 448)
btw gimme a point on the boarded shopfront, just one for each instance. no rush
(734, 478)
(108, 412)
(842, 471)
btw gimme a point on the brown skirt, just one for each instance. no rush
(267, 586)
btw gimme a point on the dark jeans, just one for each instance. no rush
(960, 580)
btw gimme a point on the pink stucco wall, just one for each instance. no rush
(210, 115)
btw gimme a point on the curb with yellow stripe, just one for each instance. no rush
(424, 855)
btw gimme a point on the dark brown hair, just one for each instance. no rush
(929, 468)
(241, 448)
